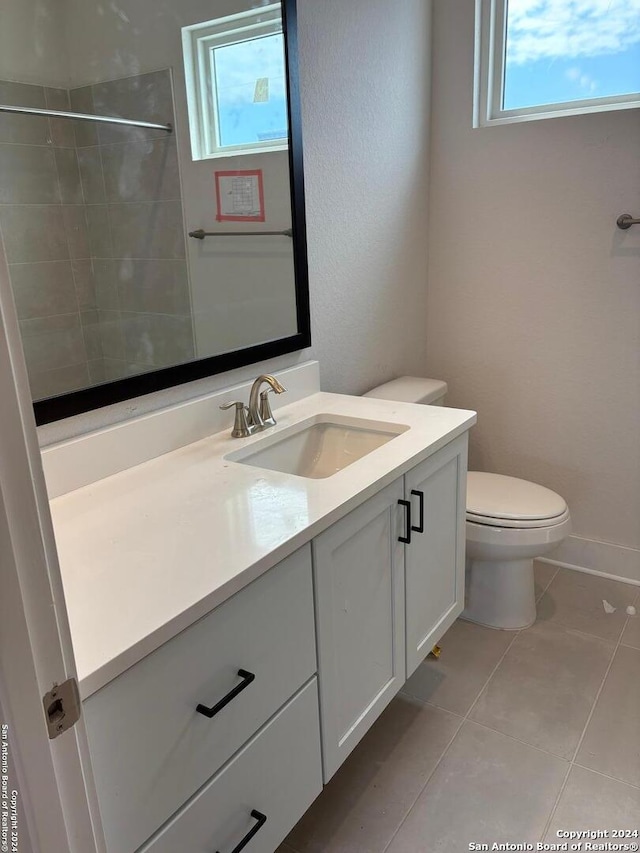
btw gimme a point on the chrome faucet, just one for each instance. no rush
(260, 414)
(257, 415)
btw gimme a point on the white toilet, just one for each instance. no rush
(510, 522)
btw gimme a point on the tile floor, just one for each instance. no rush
(508, 737)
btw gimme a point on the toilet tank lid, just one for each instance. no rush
(410, 389)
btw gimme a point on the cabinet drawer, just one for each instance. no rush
(278, 775)
(150, 749)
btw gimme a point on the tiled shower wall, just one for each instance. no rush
(91, 215)
(133, 208)
(42, 223)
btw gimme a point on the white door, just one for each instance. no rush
(358, 567)
(434, 559)
(35, 644)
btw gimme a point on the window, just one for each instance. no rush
(236, 84)
(542, 58)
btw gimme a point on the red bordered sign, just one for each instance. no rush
(240, 196)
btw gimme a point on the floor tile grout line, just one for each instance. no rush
(426, 782)
(572, 763)
(439, 707)
(493, 672)
(554, 807)
(613, 642)
(431, 705)
(551, 580)
(448, 746)
(600, 689)
(606, 776)
(521, 742)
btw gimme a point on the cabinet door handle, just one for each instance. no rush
(407, 536)
(262, 819)
(247, 678)
(420, 527)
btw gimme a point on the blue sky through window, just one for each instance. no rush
(568, 50)
(248, 109)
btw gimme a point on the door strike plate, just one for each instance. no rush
(62, 707)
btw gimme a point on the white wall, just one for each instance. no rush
(534, 295)
(365, 68)
(365, 78)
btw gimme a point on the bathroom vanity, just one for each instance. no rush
(237, 629)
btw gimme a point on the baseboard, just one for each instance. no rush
(598, 558)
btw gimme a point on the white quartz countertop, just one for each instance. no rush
(146, 552)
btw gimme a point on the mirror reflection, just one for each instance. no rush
(165, 239)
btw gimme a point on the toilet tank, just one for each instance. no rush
(411, 389)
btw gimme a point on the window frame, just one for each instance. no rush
(198, 41)
(489, 69)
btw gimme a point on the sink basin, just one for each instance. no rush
(318, 447)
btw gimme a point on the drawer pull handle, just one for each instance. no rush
(420, 526)
(262, 819)
(247, 678)
(407, 536)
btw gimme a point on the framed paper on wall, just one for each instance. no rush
(240, 196)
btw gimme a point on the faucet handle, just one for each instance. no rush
(241, 426)
(265, 408)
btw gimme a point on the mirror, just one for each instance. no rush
(156, 233)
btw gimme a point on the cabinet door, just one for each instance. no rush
(359, 582)
(434, 560)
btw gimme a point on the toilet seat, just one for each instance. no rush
(517, 524)
(499, 501)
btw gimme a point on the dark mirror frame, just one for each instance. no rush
(87, 399)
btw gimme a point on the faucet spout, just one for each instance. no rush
(255, 416)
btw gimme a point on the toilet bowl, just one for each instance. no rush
(509, 523)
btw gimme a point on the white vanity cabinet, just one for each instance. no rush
(381, 603)
(244, 714)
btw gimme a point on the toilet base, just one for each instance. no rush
(500, 593)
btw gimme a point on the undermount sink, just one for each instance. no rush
(318, 447)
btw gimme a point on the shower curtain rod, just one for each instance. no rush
(33, 111)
